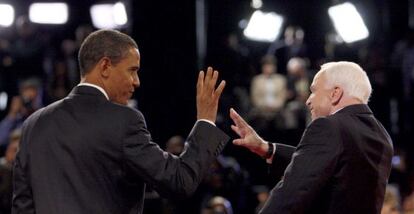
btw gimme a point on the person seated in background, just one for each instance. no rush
(408, 204)
(6, 165)
(218, 205)
(391, 203)
(262, 194)
(295, 112)
(175, 145)
(298, 79)
(268, 94)
(28, 101)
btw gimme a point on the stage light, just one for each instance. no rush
(256, 4)
(3, 100)
(48, 13)
(109, 16)
(348, 22)
(264, 27)
(6, 15)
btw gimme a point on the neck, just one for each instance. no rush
(92, 80)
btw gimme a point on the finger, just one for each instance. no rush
(237, 130)
(208, 76)
(238, 120)
(200, 81)
(238, 142)
(212, 83)
(219, 89)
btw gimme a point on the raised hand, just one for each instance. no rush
(248, 137)
(208, 95)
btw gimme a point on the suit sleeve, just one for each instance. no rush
(172, 175)
(22, 191)
(311, 167)
(281, 159)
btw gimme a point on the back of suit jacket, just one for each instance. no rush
(341, 165)
(84, 154)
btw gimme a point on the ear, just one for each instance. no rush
(336, 95)
(105, 66)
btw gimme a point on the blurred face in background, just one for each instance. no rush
(268, 68)
(29, 93)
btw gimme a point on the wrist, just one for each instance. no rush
(269, 149)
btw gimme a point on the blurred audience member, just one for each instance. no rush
(268, 94)
(27, 102)
(408, 204)
(298, 79)
(391, 203)
(262, 194)
(218, 205)
(295, 114)
(6, 166)
(175, 145)
(228, 179)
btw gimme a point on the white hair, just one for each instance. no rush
(350, 76)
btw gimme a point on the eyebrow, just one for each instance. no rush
(134, 68)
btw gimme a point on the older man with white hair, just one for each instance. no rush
(343, 160)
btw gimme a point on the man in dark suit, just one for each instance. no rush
(343, 160)
(89, 153)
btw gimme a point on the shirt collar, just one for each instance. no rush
(95, 86)
(337, 111)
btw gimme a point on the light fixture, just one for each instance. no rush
(264, 27)
(348, 22)
(49, 13)
(256, 4)
(6, 15)
(109, 16)
(3, 100)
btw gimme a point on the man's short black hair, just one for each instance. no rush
(103, 43)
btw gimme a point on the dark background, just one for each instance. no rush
(165, 33)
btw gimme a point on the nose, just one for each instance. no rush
(308, 101)
(136, 81)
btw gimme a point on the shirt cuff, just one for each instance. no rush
(208, 121)
(270, 160)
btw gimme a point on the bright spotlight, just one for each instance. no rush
(264, 27)
(48, 13)
(348, 22)
(6, 15)
(256, 4)
(3, 100)
(109, 16)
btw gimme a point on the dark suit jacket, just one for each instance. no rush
(341, 165)
(84, 154)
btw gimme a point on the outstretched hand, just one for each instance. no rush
(248, 137)
(208, 95)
